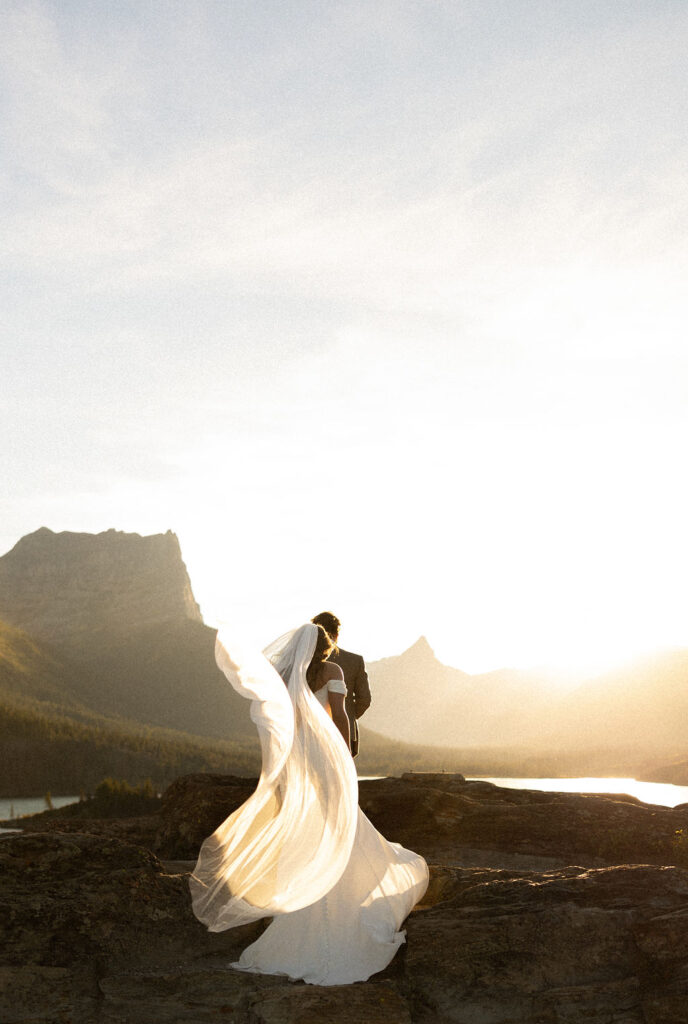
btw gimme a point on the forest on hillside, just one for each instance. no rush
(51, 751)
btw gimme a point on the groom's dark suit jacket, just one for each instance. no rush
(357, 689)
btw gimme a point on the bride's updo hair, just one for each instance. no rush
(324, 646)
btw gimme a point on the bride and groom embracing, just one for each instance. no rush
(300, 850)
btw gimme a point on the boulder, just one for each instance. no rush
(570, 828)
(76, 909)
(193, 807)
(71, 899)
(602, 946)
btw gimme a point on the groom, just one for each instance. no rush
(355, 676)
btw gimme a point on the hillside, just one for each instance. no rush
(164, 675)
(644, 704)
(418, 699)
(45, 749)
(637, 709)
(29, 668)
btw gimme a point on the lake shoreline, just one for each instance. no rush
(649, 792)
(659, 794)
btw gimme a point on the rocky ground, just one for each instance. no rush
(542, 909)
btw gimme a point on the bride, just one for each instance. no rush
(300, 850)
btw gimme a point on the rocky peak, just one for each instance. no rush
(66, 586)
(421, 650)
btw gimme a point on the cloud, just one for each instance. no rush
(59, 100)
(513, 162)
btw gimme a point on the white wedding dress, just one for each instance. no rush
(300, 850)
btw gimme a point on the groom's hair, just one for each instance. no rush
(329, 622)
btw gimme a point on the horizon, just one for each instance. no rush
(382, 305)
(563, 676)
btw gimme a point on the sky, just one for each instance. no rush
(380, 306)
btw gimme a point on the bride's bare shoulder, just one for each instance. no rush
(331, 671)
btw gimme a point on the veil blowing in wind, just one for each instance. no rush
(300, 850)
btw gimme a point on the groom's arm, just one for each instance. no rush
(361, 691)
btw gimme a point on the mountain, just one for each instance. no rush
(418, 699)
(640, 707)
(52, 739)
(643, 704)
(106, 667)
(70, 587)
(114, 627)
(102, 631)
(113, 621)
(409, 694)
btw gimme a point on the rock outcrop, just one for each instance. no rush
(62, 587)
(456, 821)
(192, 808)
(600, 946)
(97, 930)
(77, 910)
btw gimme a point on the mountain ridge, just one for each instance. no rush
(67, 587)
(128, 641)
(642, 703)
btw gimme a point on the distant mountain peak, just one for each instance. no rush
(421, 648)
(66, 586)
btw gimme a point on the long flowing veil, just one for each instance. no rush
(289, 843)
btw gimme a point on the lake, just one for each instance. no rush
(30, 805)
(662, 793)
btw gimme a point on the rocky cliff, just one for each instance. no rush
(64, 587)
(117, 613)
